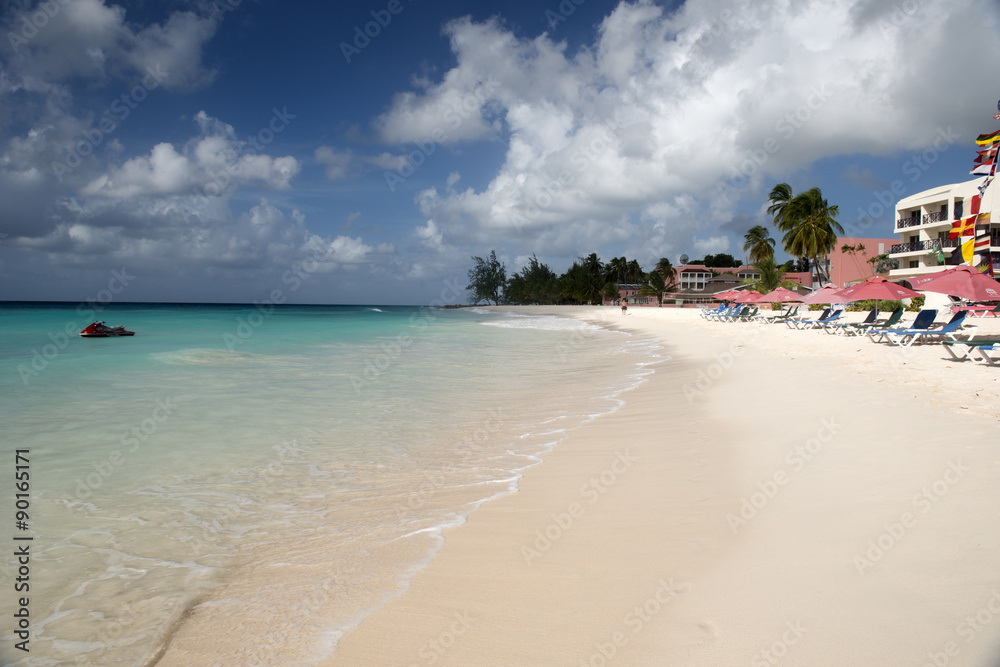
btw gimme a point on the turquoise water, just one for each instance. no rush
(173, 473)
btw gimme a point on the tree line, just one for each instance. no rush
(586, 282)
(807, 220)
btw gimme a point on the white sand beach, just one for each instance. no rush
(767, 497)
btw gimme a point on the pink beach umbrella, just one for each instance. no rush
(748, 297)
(779, 295)
(728, 294)
(877, 288)
(964, 282)
(826, 294)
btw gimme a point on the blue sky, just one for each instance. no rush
(361, 152)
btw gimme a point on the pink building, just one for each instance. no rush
(850, 267)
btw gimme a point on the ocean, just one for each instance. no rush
(272, 473)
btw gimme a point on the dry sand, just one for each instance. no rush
(767, 497)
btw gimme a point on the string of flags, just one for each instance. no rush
(976, 250)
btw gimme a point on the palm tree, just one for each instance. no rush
(780, 198)
(579, 284)
(666, 269)
(634, 271)
(654, 285)
(593, 264)
(771, 276)
(758, 243)
(615, 270)
(808, 223)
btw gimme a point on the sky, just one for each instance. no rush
(363, 152)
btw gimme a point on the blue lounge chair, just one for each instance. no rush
(961, 350)
(736, 313)
(922, 322)
(839, 327)
(906, 338)
(781, 317)
(860, 328)
(795, 323)
(720, 314)
(984, 351)
(822, 322)
(714, 311)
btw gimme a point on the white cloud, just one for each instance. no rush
(208, 165)
(91, 39)
(665, 106)
(712, 245)
(336, 162)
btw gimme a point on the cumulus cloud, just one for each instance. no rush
(688, 108)
(52, 41)
(208, 165)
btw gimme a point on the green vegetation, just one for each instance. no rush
(808, 222)
(771, 276)
(587, 281)
(720, 261)
(487, 279)
(758, 244)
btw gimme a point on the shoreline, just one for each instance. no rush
(326, 589)
(723, 527)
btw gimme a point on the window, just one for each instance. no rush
(694, 281)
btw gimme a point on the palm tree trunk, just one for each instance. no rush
(820, 275)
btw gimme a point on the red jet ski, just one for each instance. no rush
(101, 330)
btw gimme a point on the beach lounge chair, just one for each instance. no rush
(812, 324)
(713, 311)
(781, 317)
(923, 321)
(981, 311)
(962, 350)
(906, 338)
(838, 327)
(736, 314)
(984, 352)
(860, 328)
(746, 314)
(725, 312)
(794, 323)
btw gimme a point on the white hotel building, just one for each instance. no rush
(923, 221)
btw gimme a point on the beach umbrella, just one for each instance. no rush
(728, 294)
(826, 294)
(877, 288)
(964, 282)
(779, 295)
(748, 297)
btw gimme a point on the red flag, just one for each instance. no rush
(963, 227)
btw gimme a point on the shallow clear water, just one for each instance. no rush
(181, 468)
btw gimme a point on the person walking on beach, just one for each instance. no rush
(624, 306)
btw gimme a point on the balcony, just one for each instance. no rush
(920, 246)
(914, 220)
